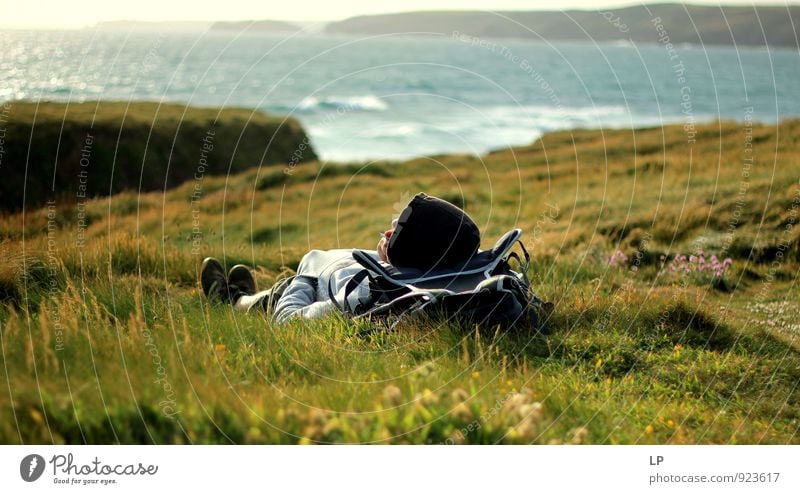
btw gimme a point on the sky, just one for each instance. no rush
(71, 14)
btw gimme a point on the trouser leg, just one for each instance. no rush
(247, 302)
(264, 300)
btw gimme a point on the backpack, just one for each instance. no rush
(484, 290)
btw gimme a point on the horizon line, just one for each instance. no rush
(787, 4)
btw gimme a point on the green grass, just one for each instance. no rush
(111, 342)
(101, 147)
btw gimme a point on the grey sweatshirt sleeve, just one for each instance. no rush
(300, 300)
(320, 275)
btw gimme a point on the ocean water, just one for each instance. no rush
(393, 97)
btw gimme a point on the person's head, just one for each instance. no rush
(430, 233)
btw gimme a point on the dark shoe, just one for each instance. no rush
(213, 281)
(215, 284)
(240, 277)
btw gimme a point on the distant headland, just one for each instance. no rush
(693, 24)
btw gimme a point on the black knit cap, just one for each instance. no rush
(431, 233)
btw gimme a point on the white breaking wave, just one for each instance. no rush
(562, 113)
(545, 118)
(342, 103)
(477, 131)
(398, 129)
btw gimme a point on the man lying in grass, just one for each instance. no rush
(430, 234)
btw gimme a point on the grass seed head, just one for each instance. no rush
(392, 396)
(462, 413)
(579, 435)
(459, 395)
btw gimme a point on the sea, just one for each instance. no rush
(391, 97)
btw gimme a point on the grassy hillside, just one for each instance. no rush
(83, 150)
(105, 337)
(709, 25)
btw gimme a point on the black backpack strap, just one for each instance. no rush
(371, 264)
(523, 265)
(351, 285)
(332, 296)
(525, 252)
